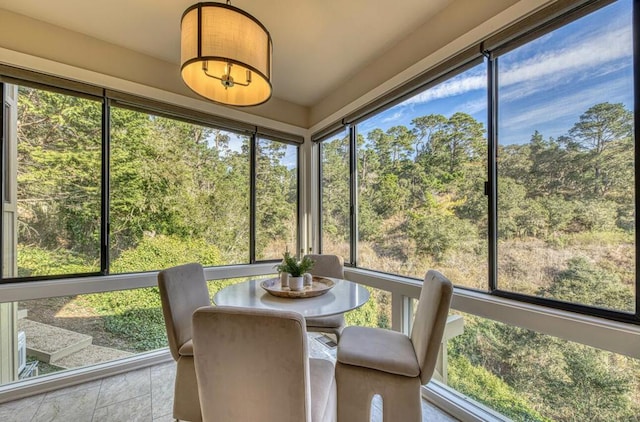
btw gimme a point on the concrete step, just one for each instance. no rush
(48, 343)
(90, 355)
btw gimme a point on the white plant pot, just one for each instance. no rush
(296, 283)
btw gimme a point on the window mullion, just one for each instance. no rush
(492, 184)
(104, 219)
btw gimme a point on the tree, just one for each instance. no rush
(600, 127)
(425, 129)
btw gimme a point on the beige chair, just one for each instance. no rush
(183, 289)
(252, 365)
(376, 361)
(328, 266)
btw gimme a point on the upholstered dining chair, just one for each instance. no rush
(327, 266)
(253, 365)
(183, 289)
(376, 361)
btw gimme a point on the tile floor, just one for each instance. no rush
(141, 395)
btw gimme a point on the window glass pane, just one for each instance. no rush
(375, 313)
(566, 223)
(62, 333)
(276, 199)
(334, 162)
(179, 193)
(70, 332)
(421, 173)
(529, 376)
(54, 227)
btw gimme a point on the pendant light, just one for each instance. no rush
(225, 54)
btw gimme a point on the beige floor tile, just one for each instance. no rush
(164, 418)
(124, 387)
(134, 410)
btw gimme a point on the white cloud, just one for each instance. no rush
(547, 69)
(394, 117)
(593, 52)
(450, 88)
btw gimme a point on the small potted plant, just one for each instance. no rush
(290, 265)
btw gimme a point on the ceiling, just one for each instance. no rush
(317, 44)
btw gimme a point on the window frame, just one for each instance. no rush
(107, 98)
(546, 20)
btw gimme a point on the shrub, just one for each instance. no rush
(584, 283)
(483, 386)
(160, 251)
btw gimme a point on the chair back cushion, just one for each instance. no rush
(327, 265)
(251, 364)
(183, 289)
(430, 320)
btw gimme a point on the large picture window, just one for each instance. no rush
(101, 185)
(56, 221)
(566, 186)
(515, 176)
(179, 193)
(421, 172)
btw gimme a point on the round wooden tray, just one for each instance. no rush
(320, 286)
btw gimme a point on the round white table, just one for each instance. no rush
(344, 296)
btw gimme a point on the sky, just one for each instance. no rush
(544, 85)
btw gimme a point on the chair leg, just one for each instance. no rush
(354, 401)
(186, 403)
(401, 399)
(405, 401)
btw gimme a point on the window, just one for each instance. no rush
(162, 186)
(421, 173)
(528, 376)
(514, 174)
(179, 193)
(57, 216)
(335, 194)
(566, 186)
(276, 199)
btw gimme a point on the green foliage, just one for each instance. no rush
(483, 386)
(561, 380)
(596, 215)
(585, 283)
(59, 155)
(144, 329)
(35, 261)
(158, 252)
(436, 232)
(291, 265)
(375, 313)
(602, 393)
(133, 315)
